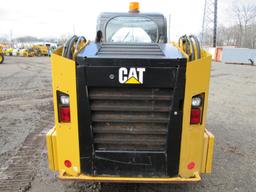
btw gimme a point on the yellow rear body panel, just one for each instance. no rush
(192, 142)
(196, 142)
(67, 142)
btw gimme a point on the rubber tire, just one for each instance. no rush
(1, 58)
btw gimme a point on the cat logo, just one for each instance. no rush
(131, 76)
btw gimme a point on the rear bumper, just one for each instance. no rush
(206, 165)
(110, 179)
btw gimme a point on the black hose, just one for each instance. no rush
(192, 56)
(66, 45)
(78, 42)
(189, 45)
(197, 46)
(71, 44)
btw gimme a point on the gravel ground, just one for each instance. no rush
(26, 105)
(25, 99)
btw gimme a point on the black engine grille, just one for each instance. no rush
(130, 118)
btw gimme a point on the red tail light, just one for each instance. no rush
(64, 107)
(195, 117)
(65, 114)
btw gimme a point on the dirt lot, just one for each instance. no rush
(26, 114)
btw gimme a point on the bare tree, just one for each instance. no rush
(242, 33)
(245, 14)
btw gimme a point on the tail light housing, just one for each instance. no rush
(64, 107)
(196, 109)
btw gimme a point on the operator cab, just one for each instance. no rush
(132, 27)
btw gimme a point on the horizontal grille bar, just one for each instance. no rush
(127, 141)
(152, 50)
(130, 94)
(130, 45)
(125, 105)
(131, 128)
(130, 117)
(131, 52)
(127, 49)
(119, 139)
(129, 147)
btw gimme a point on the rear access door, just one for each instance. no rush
(130, 101)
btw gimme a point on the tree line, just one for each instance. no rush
(242, 33)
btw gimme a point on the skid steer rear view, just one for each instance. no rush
(130, 107)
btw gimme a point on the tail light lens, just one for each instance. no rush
(196, 109)
(64, 107)
(64, 114)
(64, 99)
(195, 117)
(196, 101)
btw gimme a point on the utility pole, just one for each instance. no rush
(209, 25)
(169, 28)
(11, 43)
(215, 23)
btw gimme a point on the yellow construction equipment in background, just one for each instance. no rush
(40, 50)
(26, 52)
(130, 107)
(1, 55)
(8, 52)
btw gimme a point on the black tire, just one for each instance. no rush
(1, 58)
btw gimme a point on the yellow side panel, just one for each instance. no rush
(64, 80)
(209, 159)
(206, 140)
(55, 154)
(50, 150)
(192, 142)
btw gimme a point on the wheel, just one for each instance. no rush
(1, 58)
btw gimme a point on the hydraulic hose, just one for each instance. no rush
(191, 46)
(72, 46)
(197, 44)
(66, 45)
(81, 42)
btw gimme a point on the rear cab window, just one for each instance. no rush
(135, 29)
